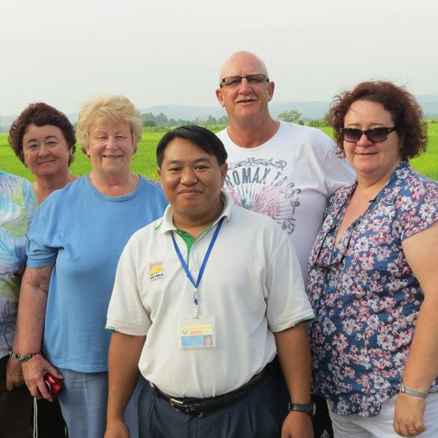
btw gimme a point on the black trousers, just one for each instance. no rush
(322, 424)
(51, 423)
(260, 414)
(15, 407)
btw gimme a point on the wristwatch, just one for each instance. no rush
(308, 408)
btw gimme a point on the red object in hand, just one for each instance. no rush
(54, 385)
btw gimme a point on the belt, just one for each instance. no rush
(199, 407)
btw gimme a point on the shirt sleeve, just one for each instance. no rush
(287, 303)
(39, 250)
(417, 207)
(126, 313)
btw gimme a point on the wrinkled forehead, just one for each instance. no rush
(242, 64)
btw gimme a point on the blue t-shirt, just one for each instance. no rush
(83, 232)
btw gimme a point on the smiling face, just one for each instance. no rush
(111, 148)
(371, 160)
(45, 150)
(245, 101)
(192, 182)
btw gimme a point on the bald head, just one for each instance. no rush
(242, 64)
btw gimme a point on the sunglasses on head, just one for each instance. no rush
(233, 81)
(375, 135)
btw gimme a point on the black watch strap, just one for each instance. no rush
(308, 408)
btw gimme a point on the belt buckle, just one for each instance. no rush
(179, 406)
(176, 404)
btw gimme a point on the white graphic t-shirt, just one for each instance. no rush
(289, 178)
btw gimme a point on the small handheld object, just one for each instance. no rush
(54, 385)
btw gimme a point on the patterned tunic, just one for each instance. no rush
(17, 208)
(365, 296)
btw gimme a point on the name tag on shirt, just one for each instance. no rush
(196, 332)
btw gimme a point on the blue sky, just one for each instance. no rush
(169, 51)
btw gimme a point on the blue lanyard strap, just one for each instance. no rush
(204, 264)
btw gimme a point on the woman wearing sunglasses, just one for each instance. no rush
(374, 274)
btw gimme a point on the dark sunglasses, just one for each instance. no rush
(375, 135)
(233, 81)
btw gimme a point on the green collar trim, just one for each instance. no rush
(189, 240)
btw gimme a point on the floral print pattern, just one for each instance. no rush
(365, 296)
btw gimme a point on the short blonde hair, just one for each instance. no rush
(110, 108)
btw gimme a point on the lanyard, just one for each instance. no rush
(204, 264)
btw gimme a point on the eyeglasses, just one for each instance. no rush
(376, 135)
(234, 81)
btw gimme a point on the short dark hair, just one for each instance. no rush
(405, 111)
(199, 136)
(40, 114)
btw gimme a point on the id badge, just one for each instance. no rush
(196, 332)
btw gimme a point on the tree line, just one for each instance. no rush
(292, 116)
(150, 120)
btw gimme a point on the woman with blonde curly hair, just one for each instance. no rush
(74, 245)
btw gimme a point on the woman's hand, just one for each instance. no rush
(408, 415)
(14, 374)
(34, 371)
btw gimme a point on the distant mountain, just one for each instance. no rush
(317, 110)
(428, 98)
(429, 105)
(308, 110)
(6, 122)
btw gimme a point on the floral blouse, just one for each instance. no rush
(365, 296)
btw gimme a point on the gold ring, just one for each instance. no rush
(410, 430)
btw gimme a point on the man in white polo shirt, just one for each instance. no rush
(203, 301)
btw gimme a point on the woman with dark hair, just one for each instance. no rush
(374, 274)
(44, 140)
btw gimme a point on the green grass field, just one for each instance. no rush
(144, 160)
